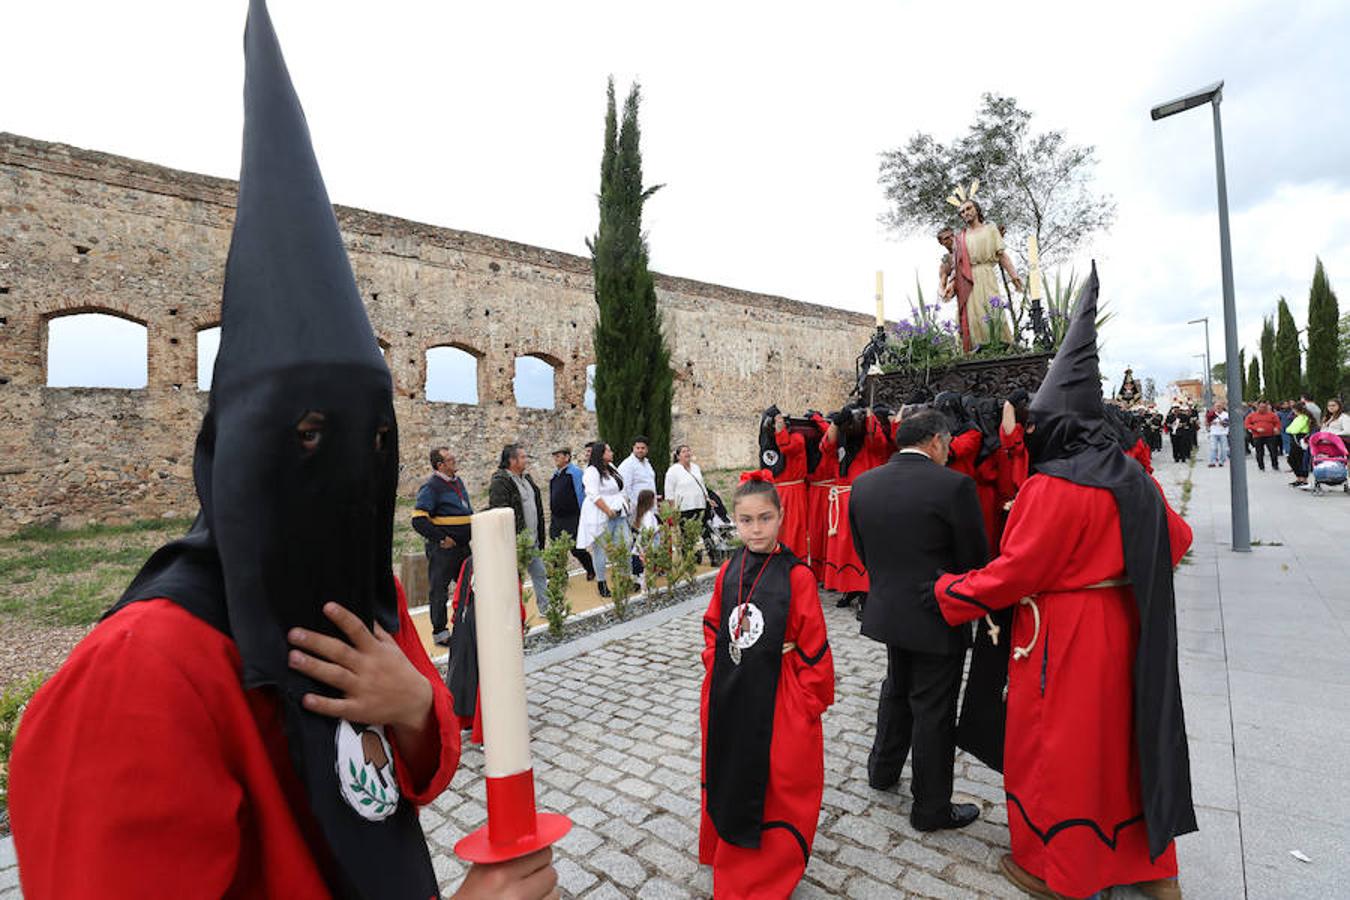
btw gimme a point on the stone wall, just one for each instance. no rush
(82, 231)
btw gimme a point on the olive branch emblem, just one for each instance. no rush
(372, 793)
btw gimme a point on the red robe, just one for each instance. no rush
(844, 571)
(997, 480)
(965, 447)
(1142, 454)
(144, 769)
(1015, 466)
(1069, 754)
(818, 505)
(792, 492)
(796, 755)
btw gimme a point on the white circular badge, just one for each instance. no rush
(365, 770)
(744, 635)
(769, 458)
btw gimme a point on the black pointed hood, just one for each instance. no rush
(296, 468)
(769, 456)
(1072, 438)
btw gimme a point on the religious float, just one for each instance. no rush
(994, 346)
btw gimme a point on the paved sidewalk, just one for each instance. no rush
(1266, 679)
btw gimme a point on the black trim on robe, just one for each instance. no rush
(797, 836)
(817, 657)
(768, 444)
(741, 697)
(1047, 835)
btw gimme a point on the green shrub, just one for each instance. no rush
(620, 580)
(557, 556)
(12, 703)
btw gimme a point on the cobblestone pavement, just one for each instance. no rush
(615, 724)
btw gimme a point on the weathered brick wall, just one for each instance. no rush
(82, 231)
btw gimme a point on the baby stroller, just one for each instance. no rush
(1329, 461)
(719, 535)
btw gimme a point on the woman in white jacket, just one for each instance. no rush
(604, 512)
(685, 487)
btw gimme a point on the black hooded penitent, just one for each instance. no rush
(1072, 439)
(769, 456)
(292, 517)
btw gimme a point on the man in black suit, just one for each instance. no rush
(912, 518)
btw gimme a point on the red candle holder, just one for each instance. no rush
(514, 828)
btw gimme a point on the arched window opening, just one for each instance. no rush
(588, 399)
(533, 383)
(452, 375)
(96, 350)
(208, 345)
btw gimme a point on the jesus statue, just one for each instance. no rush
(974, 283)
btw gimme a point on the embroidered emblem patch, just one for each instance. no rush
(743, 634)
(769, 458)
(365, 770)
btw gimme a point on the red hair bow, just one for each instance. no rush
(757, 475)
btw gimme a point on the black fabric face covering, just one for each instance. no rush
(289, 521)
(1074, 440)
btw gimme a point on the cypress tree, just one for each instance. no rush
(1288, 366)
(1253, 391)
(1323, 338)
(634, 386)
(1268, 358)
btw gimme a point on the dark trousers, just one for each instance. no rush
(1269, 443)
(1298, 459)
(570, 524)
(918, 711)
(686, 514)
(442, 568)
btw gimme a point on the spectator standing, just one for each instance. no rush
(1264, 427)
(605, 511)
(1314, 411)
(1285, 412)
(685, 488)
(512, 488)
(441, 516)
(637, 473)
(1299, 429)
(1337, 422)
(1218, 437)
(565, 496)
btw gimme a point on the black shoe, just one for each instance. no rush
(958, 816)
(441, 638)
(604, 588)
(590, 576)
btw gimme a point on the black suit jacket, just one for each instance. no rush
(912, 518)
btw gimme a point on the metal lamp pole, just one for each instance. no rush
(1237, 471)
(1209, 365)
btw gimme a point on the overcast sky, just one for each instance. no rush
(763, 120)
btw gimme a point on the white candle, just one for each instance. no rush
(881, 304)
(501, 653)
(1034, 258)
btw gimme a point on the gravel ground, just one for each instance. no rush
(27, 648)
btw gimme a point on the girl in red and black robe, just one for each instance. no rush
(1095, 759)
(768, 678)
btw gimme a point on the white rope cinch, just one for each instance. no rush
(1024, 652)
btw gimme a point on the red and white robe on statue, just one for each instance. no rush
(143, 768)
(792, 492)
(1071, 769)
(796, 752)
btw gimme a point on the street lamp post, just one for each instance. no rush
(1209, 387)
(1237, 472)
